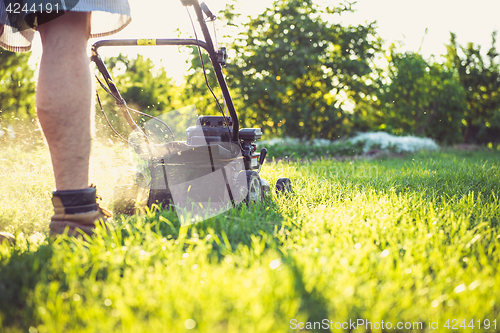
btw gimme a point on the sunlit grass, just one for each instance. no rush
(27, 182)
(394, 239)
(25, 188)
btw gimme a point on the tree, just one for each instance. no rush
(196, 91)
(420, 98)
(142, 85)
(144, 88)
(481, 82)
(294, 69)
(17, 87)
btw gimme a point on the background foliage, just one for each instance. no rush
(294, 69)
(297, 72)
(480, 79)
(17, 87)
(420, 98)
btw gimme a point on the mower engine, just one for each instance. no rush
(215, 130)
(207, 172)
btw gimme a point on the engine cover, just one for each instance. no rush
(209, 129)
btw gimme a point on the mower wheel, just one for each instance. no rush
(255, 193)
(266, 189)
(128, 199)
(160, 197)
(283, 185)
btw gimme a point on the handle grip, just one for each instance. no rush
(207, 12)
(189, 2)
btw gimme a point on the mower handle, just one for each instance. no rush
(189, 2)
(207, 45)
(214, 58)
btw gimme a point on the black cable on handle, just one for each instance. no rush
(114, 91)
(206, 78)
(124, 105)
(217, 67)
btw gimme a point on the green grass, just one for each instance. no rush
(407, 239)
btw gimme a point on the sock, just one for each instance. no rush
(77, 201)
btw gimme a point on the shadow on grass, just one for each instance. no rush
(19, 274)
(235, 226)
(312, 302)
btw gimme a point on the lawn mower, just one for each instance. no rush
(216, 166)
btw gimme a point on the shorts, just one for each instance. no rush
(19, 23)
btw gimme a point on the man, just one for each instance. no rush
(64, 93)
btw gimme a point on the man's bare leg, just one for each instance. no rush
(64, 101)
(64, 98)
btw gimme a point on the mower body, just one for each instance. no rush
(217, 166)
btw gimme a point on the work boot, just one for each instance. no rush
(76, 211)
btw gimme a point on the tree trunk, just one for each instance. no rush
(467, 130)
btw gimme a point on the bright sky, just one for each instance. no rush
(405, 20)
(397, 20)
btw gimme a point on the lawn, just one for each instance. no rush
(410, 240)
